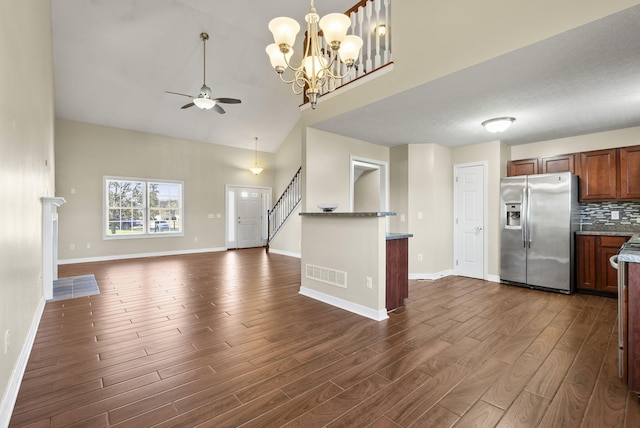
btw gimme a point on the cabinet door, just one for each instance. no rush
(598, 175)
(561, 163)
(607, 275)
(586, 261)
(630, 172)
(522, 167)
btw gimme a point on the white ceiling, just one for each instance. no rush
(113, 60)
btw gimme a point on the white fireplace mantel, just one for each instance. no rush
(50, 243)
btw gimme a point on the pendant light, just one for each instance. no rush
(256, 169)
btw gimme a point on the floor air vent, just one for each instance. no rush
(330, 276)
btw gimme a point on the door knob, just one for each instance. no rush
(478, 228)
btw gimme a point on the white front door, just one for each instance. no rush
(469, 225)
(246, 216)
(249, 218)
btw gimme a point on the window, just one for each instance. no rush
(142, 208)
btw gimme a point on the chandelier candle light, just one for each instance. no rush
(315, 70)
(255, 169)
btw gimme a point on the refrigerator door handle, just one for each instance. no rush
(524, 220)
(529, 216)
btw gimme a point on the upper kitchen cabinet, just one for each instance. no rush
(522, 167)
(560, 163)
(629, 172)
(598, 175)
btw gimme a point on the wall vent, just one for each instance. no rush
(326, 275)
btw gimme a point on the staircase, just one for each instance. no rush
(287, 203)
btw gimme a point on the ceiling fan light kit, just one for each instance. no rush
(498, 124)
(204, 100)
(316, 68)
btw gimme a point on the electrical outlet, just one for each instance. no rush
(195, 239)
(402, 219)
(218, 215)
(615, 215)
(419, 215)
(419, 257)
(369, 282)
(6, 342)
(209, 215)
(72, 246)
(88, 245)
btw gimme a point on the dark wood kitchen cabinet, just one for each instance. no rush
(593, 270)
(585, 262)
(629, 172)
(522, 167)
(397, 273)
(560, 163)
(598, 175)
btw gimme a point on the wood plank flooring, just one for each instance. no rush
(225, 340)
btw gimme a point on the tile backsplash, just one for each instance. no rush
(597, 216)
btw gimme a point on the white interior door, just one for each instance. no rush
(469, 224)
(246, 216)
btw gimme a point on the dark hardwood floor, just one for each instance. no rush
(225, 340)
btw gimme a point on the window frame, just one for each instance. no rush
(146, 221)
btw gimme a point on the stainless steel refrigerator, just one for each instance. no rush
(538, 218)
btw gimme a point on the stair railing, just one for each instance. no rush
(284, 207)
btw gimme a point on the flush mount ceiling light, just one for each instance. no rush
(319, 63)
(499, 124)
(255, 169)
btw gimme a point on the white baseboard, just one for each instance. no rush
(431, 276)
(493, 278)
(285, 253)
(139, 255)
(11, 393)
(376, 315)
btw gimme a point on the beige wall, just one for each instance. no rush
(27, 170)
(430, 209)
(86, 153)
(580, 143)
(399, 188)
(327, 162)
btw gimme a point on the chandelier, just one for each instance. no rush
(256, 169)
(319, 66)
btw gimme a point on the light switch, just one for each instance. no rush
(419, 215)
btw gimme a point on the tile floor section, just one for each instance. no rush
(75, 286)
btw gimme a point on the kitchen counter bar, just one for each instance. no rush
(348, 214)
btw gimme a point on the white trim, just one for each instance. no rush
(11, 393)
(431, 276)
(493, 278)
(140, 255)
(485, 206)
(285, 253)
(376, 315)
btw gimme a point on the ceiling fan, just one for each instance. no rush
(204, 100)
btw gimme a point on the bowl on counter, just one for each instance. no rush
(327, 208)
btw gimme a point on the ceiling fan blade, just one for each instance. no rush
(191, 104)
(178, 93)
(219, 109)
(227, 100)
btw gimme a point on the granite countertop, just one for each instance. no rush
(391, 236)
(605, 233)
(348, 214)
(629, 254)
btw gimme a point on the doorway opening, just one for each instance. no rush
(369, 188)
(246, 208)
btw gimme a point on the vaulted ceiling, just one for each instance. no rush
(114, 60)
